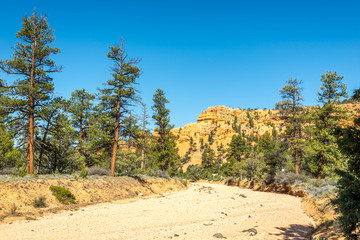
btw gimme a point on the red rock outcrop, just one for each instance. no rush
(220, 120)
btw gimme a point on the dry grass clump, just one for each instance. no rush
(290, 178)
(95, 170)
(39, 202)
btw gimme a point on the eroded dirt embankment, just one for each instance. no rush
(17, 197)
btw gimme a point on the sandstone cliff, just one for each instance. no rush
(223, 122)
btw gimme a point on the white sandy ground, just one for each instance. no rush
(196, 213)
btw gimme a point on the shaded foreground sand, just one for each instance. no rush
(196, 213)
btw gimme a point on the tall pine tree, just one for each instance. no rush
(291, 108)
(120, 93)
(81, 109)
(326, 118)
(164, 151)
(31, 61)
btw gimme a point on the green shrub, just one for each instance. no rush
(83, 173)
(39, 202)
(348, 204)
(20, 172)
(63, 195)
(290, 178)
(195, 172)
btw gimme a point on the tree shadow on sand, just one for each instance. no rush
(295, 232)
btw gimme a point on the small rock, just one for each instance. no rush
(249, 216)
(207, 224)
(242, 195)
(252, 231)
(219, 235)
(176, 235)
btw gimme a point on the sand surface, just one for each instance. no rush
(196, 213)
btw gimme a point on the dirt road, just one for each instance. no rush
(204, 211)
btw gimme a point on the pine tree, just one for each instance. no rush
(332, 88)
(274, 156)
(291, 108)
(164, 151)
(237, 151)
(31, 60)
(120, 93)
(81, 109)
(326, 118)
(238, 148)
(61, 145)
(356, 95)
(46, 128)
(208, 159)
(348, 198)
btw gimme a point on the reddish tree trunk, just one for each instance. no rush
(116, 139)
(30, 157)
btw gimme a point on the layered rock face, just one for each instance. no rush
(223, 122)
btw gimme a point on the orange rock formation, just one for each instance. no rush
(220, 120)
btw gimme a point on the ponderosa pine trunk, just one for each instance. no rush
(296, 162)
(116, 139)
(30, 157)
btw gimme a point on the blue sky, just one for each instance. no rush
(201, 53)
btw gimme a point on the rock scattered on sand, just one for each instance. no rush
(252, 231)
(218, 235)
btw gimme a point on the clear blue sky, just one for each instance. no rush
(201, 53)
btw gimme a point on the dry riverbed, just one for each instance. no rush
(203, 211)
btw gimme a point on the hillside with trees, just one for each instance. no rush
(42, 133)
